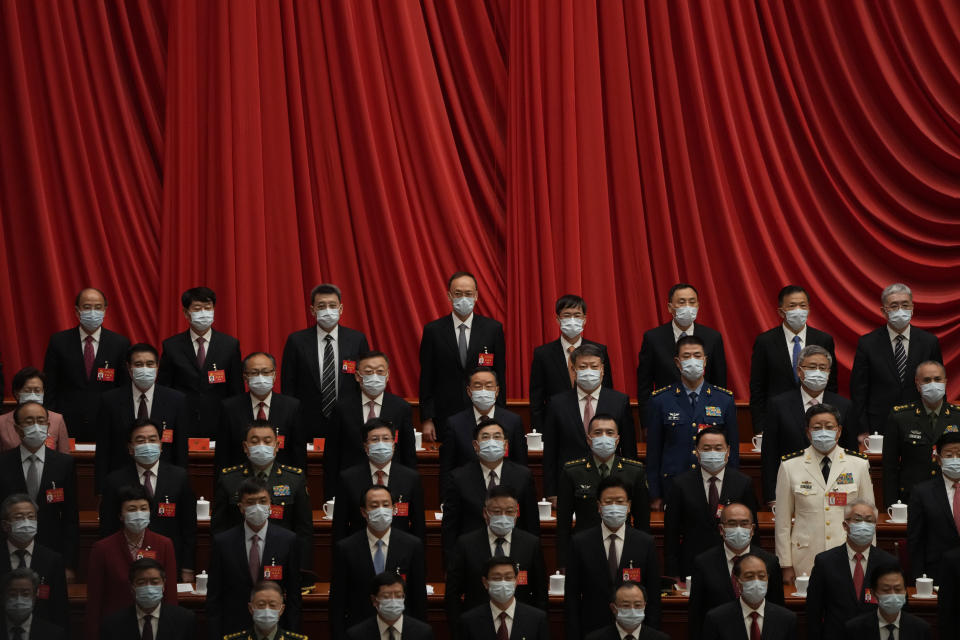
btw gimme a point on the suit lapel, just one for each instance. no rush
(943, 503)
(813, 469)
(577, 421)
(886, 348)
(449, 334)
(785, 359)
(559, 360)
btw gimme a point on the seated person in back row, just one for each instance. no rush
(19, 590)
(28, 384)
(388, 595)
(165, 620)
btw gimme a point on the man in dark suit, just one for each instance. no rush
(450, 347)
(714, 582)
(569, 414)
(487, 621)
(167, 621)
(948, 596)
(890, 590)
(656, 368)
(676, 413)
(786, 427)
(344, 447)
(404, 484)
(628, 606)
(359, 557)
(577, 499)
(776, 354)
(144, 399)
(388, 593)
(501, 538)
(467, 491)
(911, 432)
(262, 403)
(457, 449)
(841, 576)
(550, 369)
(885, 357)
(49, 478)
(751, 615)
(19, 590)
(19, 523)
(319, 362)
(202, 363)
(603, 556)
(696, 499)
(245, 554)
(83, 362)
(173, 506)
(933, 527)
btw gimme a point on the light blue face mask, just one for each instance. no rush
(950, 467)
(753, 591)
(146, 453)
(571, 327)
(261, 454)
(380, 452)
(502, 525)
(861, 533)
(501, 590)
(483, 399)
(630, 618)
(266, 619)
(464, 306)
(373, 384)
(737, 538)
(603, 446)
(613, 515)
(815, 380)
(91, 319)
(491, 450)
(589, 379)
(201, 320)
(148, 595)
(380, 518)
(691, 369)
(933, 392)
(713, 461)
(143, 377)
(390, 609)
(136, 521)
(891, 603)
(823, 440)
(23, 531)
(796, 318)
(261, 385)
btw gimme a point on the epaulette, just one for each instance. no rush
(295, 636)
(955, 407)
(292, 469)
(901, 407)
(231, 469)
(795, 454)
(635, 463)
(856, 453)
(236, 634)
(726, 391)
(570, 463)
(660, 390)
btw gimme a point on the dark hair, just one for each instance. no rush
(378, 487)
(131, 492)
(477, 370)
(251, 487)
(20, 378)
(23, 573)
(198, 294)
(76, 302)
(323, 289)
(949, 437)
(12, 499)
(628, 584)
(571, 301)
(884, 570)
(823, 407)
(585, 350)
(378, 423)
(789, 290)
(687, 340)
(501, 491)
(724, 508)
(712, 431)
(498, 561)
(142, 346)
(273, 360)
(386, 579)
(266, 585)
(486, 422)
(603, 416)
(369, 355)
(737, 563)
(611, 482)
(257, 424)
(145, 564)
(142, 422)
(678, 286)
(16, 412)
(462, 274)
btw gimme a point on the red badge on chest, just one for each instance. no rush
(106, 375)
(54, 495)
(634, 575)
(276, 512)
(273, 572)
(167, 510)
(216, 376)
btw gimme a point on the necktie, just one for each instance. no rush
(379, 560)
(88, 355)
(796, 357)
(261, 413)
(201, 352)
(328, 382)
(825, 467)
(858, 574)
(17, 633)
(629, 636)
(142, 409)
(900, 355)
(956, 504)
(714, 496)
(21, 558)
(733, 579)
(381, 477)
(371, 413)
(261, 476)
(462, 345)
(255, 559)
(502, 633)
(683, 334)
(890, 628)
(147, 628)
(604, 470)
(33, 476)
(755, 626)
(498, 552)
(693, 399)
(391, 633)
(587, 412)
(492, 481)
(612, 557)
(147, 485)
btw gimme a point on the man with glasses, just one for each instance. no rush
(839, 586)
(885, 357)
(20, 589)
(261, 403)
(786, 429)
(933, 526)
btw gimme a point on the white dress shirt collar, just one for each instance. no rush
(566, 344)
(372, 540)
(806, 398)
(25, 453)
(884, 623)
(477, 415)
(136, 396)
(323, 333)
(206, 335)
(12, 549)
(624, 633)
(746, 610)
(386, 469)
(457, 322)
(25, 625)
(677, 330)
(789, 334)
(154, 469)
(893, 335)
(266, 402)
(497, 469)
(248, 533)
(383, 625)
(95, 335)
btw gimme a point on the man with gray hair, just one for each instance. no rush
(839, 586)
(885, 358)
(786, 429)
(19, 589)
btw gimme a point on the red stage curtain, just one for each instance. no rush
(550, 146)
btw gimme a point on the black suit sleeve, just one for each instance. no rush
(628, 434)
(187, 522)
(860, 388)
(529, 512)
(565, 517)
(406, 440)
(288, 368)
(222, 453)
(719, 366)
(697, 605)
(332, 448)
(291, 584)
(71, 514)
(770, 456)
(303, 527)
(455, 584)
(833, 385)
(219, 515)
(917, 532)
(418, 517)
(450, 526)
(339, 587)
(551, 463)
(214, 608)
(673, 518)
(518, 445)
(428, 377)
(51, 370)
(815, 600)
(948, 605)
(640, 504)
(538, 392)
(417, 584)
(891, 462)
(775, 580)
(235, 370)
(645, 380)
(500, 363)
(104, 445)
(538, 579)
(651, 581)
(571, 594)
(759, 375)
(58, 589)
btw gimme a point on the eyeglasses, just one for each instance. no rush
(29, 422)
(869, 519)
(567, 316)
(259, 372)
(896, 306)
(815, 367)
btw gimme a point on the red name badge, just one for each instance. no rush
(43, 592)
(216, 376)
(485, 360)
(634, 575)
(198, 444)
(73, 443)
(167, 509)
(837, 499)
(273, 572)
(106, 375)
(719, 511)
(401, 509)
(146, 553)
(868, 597)
(50, 442)
(318, 444)
(702, 426)
(349, 366)
(276, 512)
(167, 436)
(522, 577)
(280, 441)
(54, 495)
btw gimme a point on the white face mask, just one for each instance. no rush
(899, 319)
(328, 318)
(202, 320)
(795, 318)
(815, 380)
(483, 399)
(685, 316)
(30, 397)
(589, 379)
(571, 327)
(691, 369)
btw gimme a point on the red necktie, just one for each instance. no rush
(502, 633)
(733, 579)
(261, 414)
(587, 413)
(147, 485)
(755, 627)
(956, 505)
(201, 353)
(147, 628)
(714, 497)
(381, 477)
(371, 414)
(255, 559)
(88, 355)
(858, 574)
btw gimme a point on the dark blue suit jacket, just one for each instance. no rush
(457, 449)
(549, 375)
(656, 368)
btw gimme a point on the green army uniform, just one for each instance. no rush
(252, 635)
(908, 441)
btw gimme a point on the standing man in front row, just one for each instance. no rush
(450, 347)
(504, 616)
(676, 413)
(813, 486)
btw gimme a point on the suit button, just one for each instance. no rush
(828, 537)
(827, 509)
(828, 524)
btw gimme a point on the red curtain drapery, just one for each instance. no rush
(607, 148)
